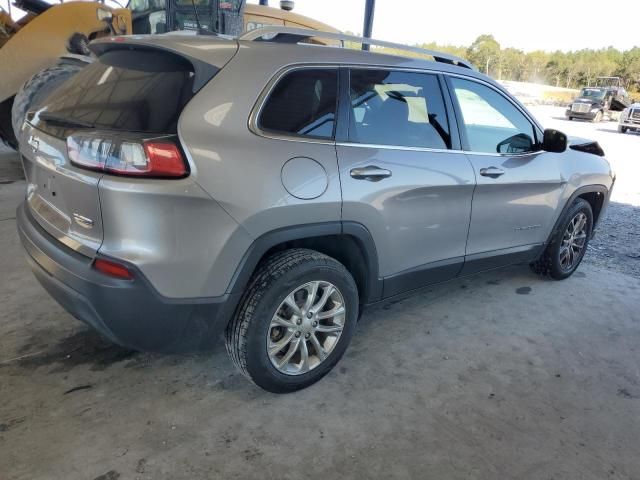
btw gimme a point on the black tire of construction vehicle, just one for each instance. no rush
(37, 89)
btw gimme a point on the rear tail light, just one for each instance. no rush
(112, 269)
(159, 157)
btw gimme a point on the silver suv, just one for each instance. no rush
(184, 186)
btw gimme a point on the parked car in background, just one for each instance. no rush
(180, 187)
(630, 119)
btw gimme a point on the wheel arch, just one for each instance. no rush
(350, 243)
(595, 195)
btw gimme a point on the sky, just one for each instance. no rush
(528, 25)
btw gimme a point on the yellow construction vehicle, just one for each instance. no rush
(50, 44)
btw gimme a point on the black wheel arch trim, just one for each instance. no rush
(577, 193)
(272, 239)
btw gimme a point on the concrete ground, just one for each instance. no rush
(503, 375)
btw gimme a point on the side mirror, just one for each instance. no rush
(554, 141)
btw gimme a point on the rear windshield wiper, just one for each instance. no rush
(64, 122)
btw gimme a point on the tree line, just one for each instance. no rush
(574, 69)
(563, 69)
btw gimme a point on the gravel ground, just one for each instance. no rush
(617, 242)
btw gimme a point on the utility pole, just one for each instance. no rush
(367, 30)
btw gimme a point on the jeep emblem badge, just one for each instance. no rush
(35, 144)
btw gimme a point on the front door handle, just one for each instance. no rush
(492, 172)
(370, 173)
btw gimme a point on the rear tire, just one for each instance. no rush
(567, 247)
(36, 90)
(265, 320)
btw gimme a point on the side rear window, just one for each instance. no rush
(303, 103)
(132, 90)
(398, 108)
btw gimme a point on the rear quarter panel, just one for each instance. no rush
(242, 170)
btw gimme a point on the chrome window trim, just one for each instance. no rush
(256, 111)
(397, 147)
(273, 81)
(434, 150)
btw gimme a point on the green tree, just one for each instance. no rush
(536, 64)
(629, 68)
(485, 53)
(513, 65)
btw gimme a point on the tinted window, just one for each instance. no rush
(398, 108)
(303, 103)
(492, 123)
(142, 91)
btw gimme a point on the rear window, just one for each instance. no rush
(132, 90)
(303, 103)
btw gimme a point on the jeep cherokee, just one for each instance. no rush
(183, 186)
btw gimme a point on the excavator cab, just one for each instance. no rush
(161, 16)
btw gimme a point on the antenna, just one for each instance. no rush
(201, 30)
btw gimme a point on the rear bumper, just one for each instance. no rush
(130, 313)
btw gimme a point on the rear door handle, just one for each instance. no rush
(370, 173)
(492, 172)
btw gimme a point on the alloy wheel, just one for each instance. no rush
(573, 242)
(306, 328)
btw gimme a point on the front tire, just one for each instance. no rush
(569, 243)
(294, 322)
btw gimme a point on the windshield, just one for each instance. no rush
(137, 6)
(593, 93)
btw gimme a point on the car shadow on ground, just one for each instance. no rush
(84, 349)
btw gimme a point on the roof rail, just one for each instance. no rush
(295, 35)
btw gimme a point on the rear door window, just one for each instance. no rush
(303, 103)
(398, 108)
(137, 91)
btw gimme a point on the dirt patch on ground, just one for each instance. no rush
(85, 347)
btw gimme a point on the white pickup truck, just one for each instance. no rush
(630, 119)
